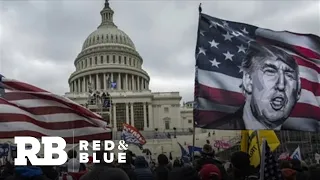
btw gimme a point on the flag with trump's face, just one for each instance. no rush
(252, 78)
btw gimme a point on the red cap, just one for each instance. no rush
(208, 170)
(90, 159)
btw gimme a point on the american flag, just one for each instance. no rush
(269, 168)
(26, 110)
(221, 46)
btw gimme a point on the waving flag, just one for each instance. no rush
(26, 110)
(296, 154)
(183, 151)
(269, 168)
(252, 78)
(1, 86)
(131, 135)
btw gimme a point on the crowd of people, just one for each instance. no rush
(203, 167)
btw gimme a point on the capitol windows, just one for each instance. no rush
(134, 62)
(96, 60)
(138, 115)
(125, 60)
(108, 59)
(166, 110)
(120, 60)
(189, 121)
(120, 115)
(90, 61)
(130, 61)
(101, 59)
(85, 63)
(114, 59)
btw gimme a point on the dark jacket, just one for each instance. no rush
(27, 173)
(129, 171)
(161, 172)
(105, 171)
(205, 159)
(142, 171)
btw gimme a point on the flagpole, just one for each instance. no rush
(258, 142)
(194, 127)
(262, 158)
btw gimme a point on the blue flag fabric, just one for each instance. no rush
(183, 151)
(2, 91)
(195, 149)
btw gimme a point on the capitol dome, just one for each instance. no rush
(107, 35)
(108, 60)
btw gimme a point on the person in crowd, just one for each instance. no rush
(314, 173)
(142, 171)
(103, 170)
(285, 164)
(27, 172)
(72, 154)
(90, 163)
(128, 167)
(162, 171)
(73, 167)
(210, 172)
(208, 157)
(177, 163)
(242, 170)
(50, 172)
(186, 161)
(184, 173)
(300, 173)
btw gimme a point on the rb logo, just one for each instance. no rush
(49, 150)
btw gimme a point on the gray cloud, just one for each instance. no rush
(40, 39)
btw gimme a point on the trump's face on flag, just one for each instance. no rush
(271, 84)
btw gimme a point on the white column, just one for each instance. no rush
(83, 84)
(138, 83)
(97, 82)
(144, 116)
(111, 77)
(132, 82)
(150, 116)
(104, 82)
(90, 79)
(127, 85)
(119, 81)
(141, 84)
(132, 121)
(114, 116)
(127, 113)
(79, 84)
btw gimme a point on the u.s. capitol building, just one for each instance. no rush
(110, 63)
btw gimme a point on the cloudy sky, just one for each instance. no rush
(39, 40)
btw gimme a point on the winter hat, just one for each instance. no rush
(209, 170)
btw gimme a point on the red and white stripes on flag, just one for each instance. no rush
(224, 90)
(26, 110)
